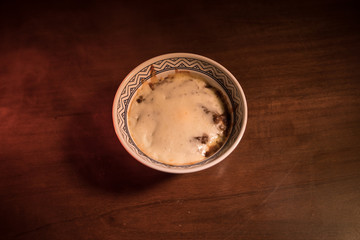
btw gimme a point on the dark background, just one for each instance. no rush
(294, 175)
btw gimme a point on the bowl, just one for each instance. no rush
(165, 64)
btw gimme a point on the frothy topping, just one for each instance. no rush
(178, 120)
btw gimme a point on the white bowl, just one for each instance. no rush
(215, 73)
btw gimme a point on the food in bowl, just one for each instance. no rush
(218, 78)
(179, 119)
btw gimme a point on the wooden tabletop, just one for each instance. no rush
(294, 175)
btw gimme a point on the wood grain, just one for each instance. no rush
(295, 174)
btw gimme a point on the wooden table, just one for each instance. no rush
(294, 175)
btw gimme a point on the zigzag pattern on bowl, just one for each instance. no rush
(180, 63)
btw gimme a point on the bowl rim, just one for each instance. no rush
(180, 170)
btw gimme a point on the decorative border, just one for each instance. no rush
(180, 63)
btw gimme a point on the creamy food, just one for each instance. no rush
(178, 120)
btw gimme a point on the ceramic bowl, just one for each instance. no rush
(213, 72)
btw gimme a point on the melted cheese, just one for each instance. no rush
(172, 120)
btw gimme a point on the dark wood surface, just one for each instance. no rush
(294, 175)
